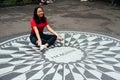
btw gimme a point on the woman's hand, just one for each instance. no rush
(59, 37)
(52, 31)
(39, 42)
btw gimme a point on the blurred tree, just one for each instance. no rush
(1, 2)
(9, 2)
(19, 2)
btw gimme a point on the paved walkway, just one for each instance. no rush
(90, 49)
(63, 15)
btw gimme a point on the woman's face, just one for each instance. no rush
(40, 12)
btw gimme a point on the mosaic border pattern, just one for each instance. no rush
(21, 60)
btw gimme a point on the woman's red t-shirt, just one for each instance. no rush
(39, 26)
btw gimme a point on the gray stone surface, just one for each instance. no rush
(63, 15)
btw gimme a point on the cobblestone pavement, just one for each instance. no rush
(90, 49)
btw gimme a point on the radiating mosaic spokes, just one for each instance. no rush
(79, 56)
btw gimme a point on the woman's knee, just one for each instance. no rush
(33, 40)
(55, 37)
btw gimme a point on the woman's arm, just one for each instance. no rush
(52, 31)
(39, 42)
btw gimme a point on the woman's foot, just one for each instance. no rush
(43, 47)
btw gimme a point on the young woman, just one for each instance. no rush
(38, 23)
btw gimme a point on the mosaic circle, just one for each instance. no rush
(79, 56)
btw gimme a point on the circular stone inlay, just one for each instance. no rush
(64, 54)
(80, 55)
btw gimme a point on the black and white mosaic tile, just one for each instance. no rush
(79, 56)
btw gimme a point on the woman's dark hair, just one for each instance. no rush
(36, 17)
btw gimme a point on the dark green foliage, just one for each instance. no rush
(17, 2)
